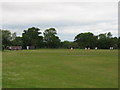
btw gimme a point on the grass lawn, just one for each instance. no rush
(60, 68)
(0, 70)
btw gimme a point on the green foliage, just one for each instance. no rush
(119, 42)
(50, 38)
(17, 41)
(31, 37)
(86, 40)
(109, 35)
(102, 41)
(105, 41)
(13, 36)
(67, 44)
(6, 37)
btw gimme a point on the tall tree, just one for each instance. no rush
(13, 36)
(50, 38)
(114, 42)
(119, 42)
(17, 41)
(6, 37)
(66, 44)
(105, 41)
(109, 35)
(86, 40)
(31, 37)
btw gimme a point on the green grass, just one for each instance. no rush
(0, 70)
(60, 68)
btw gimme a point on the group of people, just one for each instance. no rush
(111, 48)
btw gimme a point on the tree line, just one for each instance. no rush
(32, 37)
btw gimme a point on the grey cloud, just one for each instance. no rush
(69, 18)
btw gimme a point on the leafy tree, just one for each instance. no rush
(119, 42)
(114, 42)
(101, 36)
(40, 43)
(17, 41)
(68, 44)
(75, 45)
(6, 37)
(109, 35)
(13, 36)
(86, 40)
(50, 38)
(31, 37)
(105, 41)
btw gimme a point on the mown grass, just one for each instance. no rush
(60, 68)
(0, 70)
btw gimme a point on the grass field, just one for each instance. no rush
(60, 68)
(0, 70)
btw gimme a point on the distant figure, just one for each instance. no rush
(85, 48)
(111, 48)
(10, 48)
(71, 48)
(88, 48)
(96, 48)
(27, 47)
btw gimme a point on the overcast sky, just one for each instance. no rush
(69, 18)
